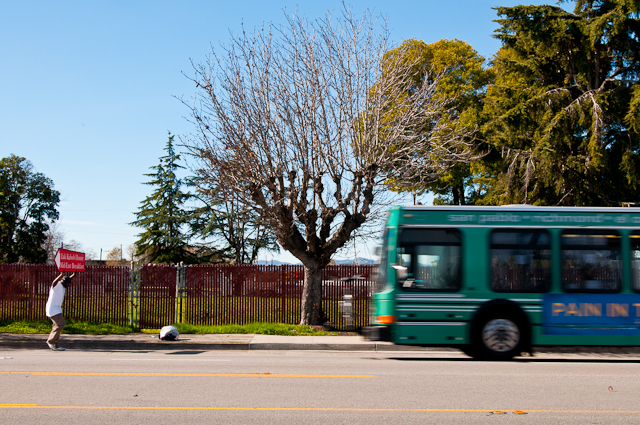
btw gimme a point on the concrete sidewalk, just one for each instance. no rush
(140, 341)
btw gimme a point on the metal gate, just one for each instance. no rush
(157, 296)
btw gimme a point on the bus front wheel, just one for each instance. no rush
(499, 338)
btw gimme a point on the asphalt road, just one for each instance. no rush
(172, 387)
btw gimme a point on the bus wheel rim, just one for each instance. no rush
(500, 335)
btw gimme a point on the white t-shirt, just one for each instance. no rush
(54, 303)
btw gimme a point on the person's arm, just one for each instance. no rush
(56, 280)
(72, 275)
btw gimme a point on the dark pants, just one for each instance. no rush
(58, 324)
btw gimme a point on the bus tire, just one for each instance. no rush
(469, 350)
(499, 336)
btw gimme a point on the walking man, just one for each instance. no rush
(54, 309)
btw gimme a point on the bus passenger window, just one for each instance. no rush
(431, 258)
(590, 261)
(635, 259)
(520, 260)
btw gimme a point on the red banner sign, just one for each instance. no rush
(69, 261)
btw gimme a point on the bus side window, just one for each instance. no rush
(635, 259)
(432, 258)
(520, 260)
(591, 261)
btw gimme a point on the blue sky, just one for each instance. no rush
(87, 88)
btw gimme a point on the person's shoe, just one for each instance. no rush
(59, 349)
(52, 346)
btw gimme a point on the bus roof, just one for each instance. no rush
(519, 208)
(514, 216)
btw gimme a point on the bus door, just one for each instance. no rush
(428, 305)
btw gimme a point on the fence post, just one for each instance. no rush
(283, 286)
(134, 280)
(180, 288)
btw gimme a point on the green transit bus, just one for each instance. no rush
(496, 281)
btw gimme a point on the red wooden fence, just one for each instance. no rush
(204, 295)
(100, 294)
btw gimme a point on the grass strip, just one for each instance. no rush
(249, 328)
(84, 328)
(71, 327)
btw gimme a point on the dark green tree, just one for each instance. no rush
(162, 216)
(27, 201)
(563, 112)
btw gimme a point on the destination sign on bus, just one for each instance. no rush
(544, 219)
(495, 216)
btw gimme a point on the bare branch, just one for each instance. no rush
(304, 124)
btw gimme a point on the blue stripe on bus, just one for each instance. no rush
(569, 330)
(591, 314)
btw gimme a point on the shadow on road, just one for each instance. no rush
(522, 359)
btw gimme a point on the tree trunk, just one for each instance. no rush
(312, 296)
(460, 191)
(458, 194)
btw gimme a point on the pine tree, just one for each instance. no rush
(562, 112)
(161, 214)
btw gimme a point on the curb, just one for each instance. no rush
(127, 343)
(158, 346)
(38, 341)
(122, 345)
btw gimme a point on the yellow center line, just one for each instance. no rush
(321, 409)
(14, 404)
(249, 375)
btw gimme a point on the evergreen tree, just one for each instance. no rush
(563, 113)
(161, 214)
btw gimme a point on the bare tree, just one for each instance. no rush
(74, 245)
(307, 124)
(90, 254)
(54, 240)
(115, 257)
(131, 252)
